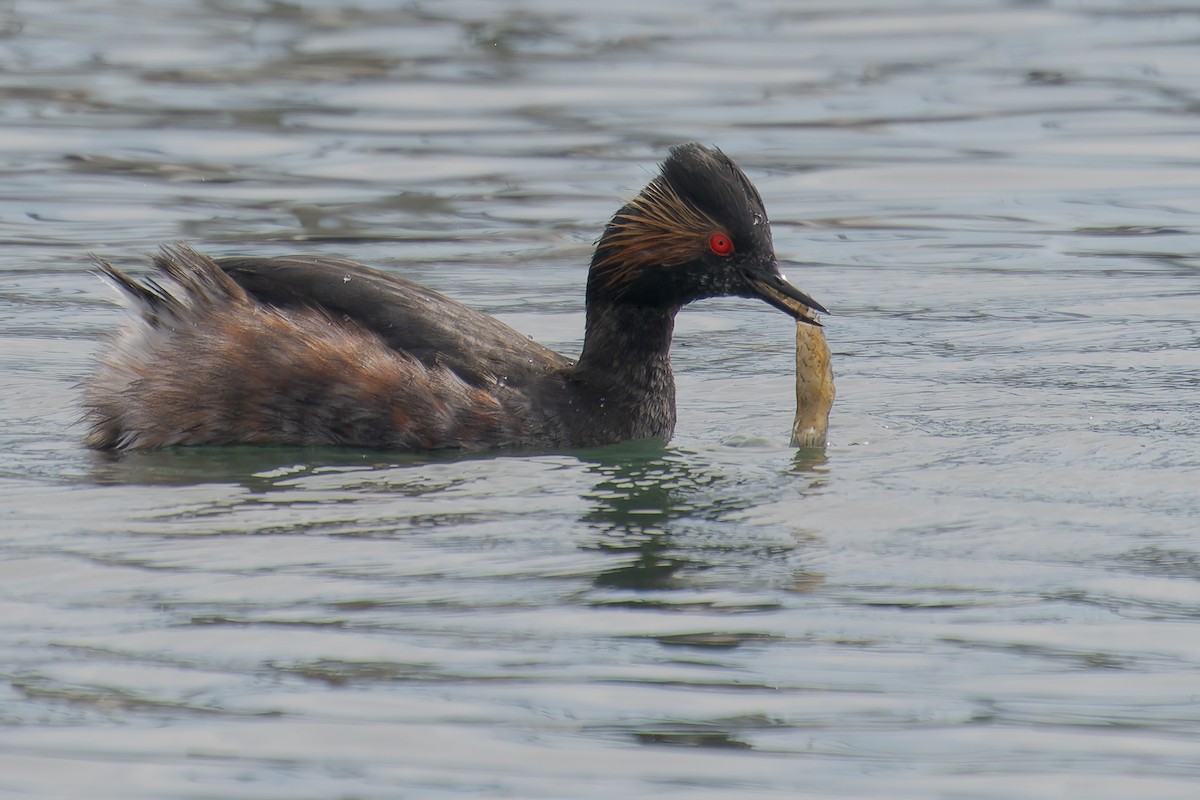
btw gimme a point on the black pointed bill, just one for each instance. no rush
(775, 289)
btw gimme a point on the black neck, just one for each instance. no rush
(631, 341)
(626, 365)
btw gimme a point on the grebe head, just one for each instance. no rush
(697, 230)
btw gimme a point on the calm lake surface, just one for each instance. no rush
(987, 586)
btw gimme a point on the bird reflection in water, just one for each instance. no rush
(668, 515)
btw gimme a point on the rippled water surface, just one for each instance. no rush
(988, 585)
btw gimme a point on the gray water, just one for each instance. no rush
(988, 585)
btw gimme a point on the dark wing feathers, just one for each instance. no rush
(409, 317)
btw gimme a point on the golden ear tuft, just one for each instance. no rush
(656, 228)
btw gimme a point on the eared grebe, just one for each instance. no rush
(308, 350)
(814, 386)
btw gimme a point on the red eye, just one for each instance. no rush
(720, 244)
